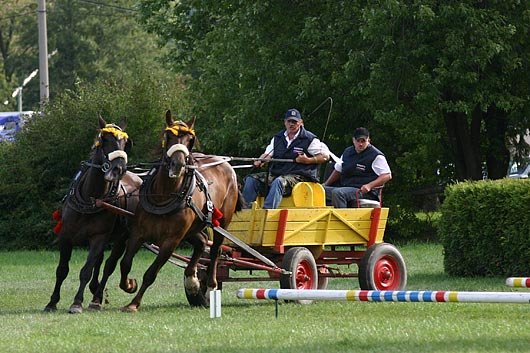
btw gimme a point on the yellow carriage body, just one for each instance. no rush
(303, 219)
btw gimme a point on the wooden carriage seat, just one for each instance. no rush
(304, 194)
(367, 203)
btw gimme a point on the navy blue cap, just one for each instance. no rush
(293, 114)
(361, 132)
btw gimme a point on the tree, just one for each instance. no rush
(462, 60)
(442, 84)
(16, 35)
(92, 40)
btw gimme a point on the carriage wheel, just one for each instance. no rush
(382, 268)
(301, 263)
(200, 298)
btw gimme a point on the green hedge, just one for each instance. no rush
(485, 228)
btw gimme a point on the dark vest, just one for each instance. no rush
(357, 167)
(300, 143)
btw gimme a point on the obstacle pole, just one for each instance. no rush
(518, 282)
(215, 303)
(385, 296)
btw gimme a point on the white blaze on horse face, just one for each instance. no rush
(117, 154)
(178, 147)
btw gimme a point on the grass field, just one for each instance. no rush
(165, 322)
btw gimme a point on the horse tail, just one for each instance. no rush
(240, 201)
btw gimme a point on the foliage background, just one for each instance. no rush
(442, 86)
(38, 168)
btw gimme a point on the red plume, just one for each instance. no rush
(216, 217)
(56, 215)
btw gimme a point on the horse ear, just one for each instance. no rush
(123, 123)
(169, 119)
(102, 122)
(191, 123)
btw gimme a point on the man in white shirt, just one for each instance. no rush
(294, 143)
(362, 168)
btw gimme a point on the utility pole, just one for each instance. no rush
(43, 54)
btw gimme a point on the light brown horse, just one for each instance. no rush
(103, 177)
(177, 202)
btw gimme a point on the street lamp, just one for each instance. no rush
(18, 91)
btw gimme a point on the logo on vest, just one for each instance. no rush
(298, 150)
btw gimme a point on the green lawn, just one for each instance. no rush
(165, 322)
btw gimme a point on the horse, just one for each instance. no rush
(178, 202)
(103, 177)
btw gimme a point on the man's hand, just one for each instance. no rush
(366, 188)
(263, 159)
(302, 158)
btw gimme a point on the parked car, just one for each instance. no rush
(519, 170)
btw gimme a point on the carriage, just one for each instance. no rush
(194, 197)
(304, 243)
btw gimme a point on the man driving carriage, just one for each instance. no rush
(294, 143)
(362, 168)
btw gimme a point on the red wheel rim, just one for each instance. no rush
(304, 276)
(387, 275)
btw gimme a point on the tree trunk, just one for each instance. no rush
(464, 142)
(497, 154)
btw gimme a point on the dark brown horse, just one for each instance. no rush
(103, 177)
(177, 202)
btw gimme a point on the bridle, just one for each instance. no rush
(74, 198)
(183, 197)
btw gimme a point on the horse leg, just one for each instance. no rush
(96, 249)
(110, 265)
(149, 277)
(94, 283)
(127, 284)
(65, 251)
(215, 251)
(191, 281)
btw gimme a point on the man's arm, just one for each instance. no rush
(333, 178)
(265, 155)
(379, 181)
(319, 152)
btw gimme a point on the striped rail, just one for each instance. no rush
(385, 296)
(518, 282)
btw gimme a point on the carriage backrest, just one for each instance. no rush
(303, 195)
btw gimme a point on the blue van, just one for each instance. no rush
(11, 123)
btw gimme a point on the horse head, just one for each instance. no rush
(111, 148)
(177, 143)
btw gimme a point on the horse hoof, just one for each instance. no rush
(95, 306)
(75, 309)
(192, 285)
(129, 309)
(50, 308)
(131, 286)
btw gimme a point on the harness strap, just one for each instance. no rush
(75, 200)
(176, 203)
(203, 186)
